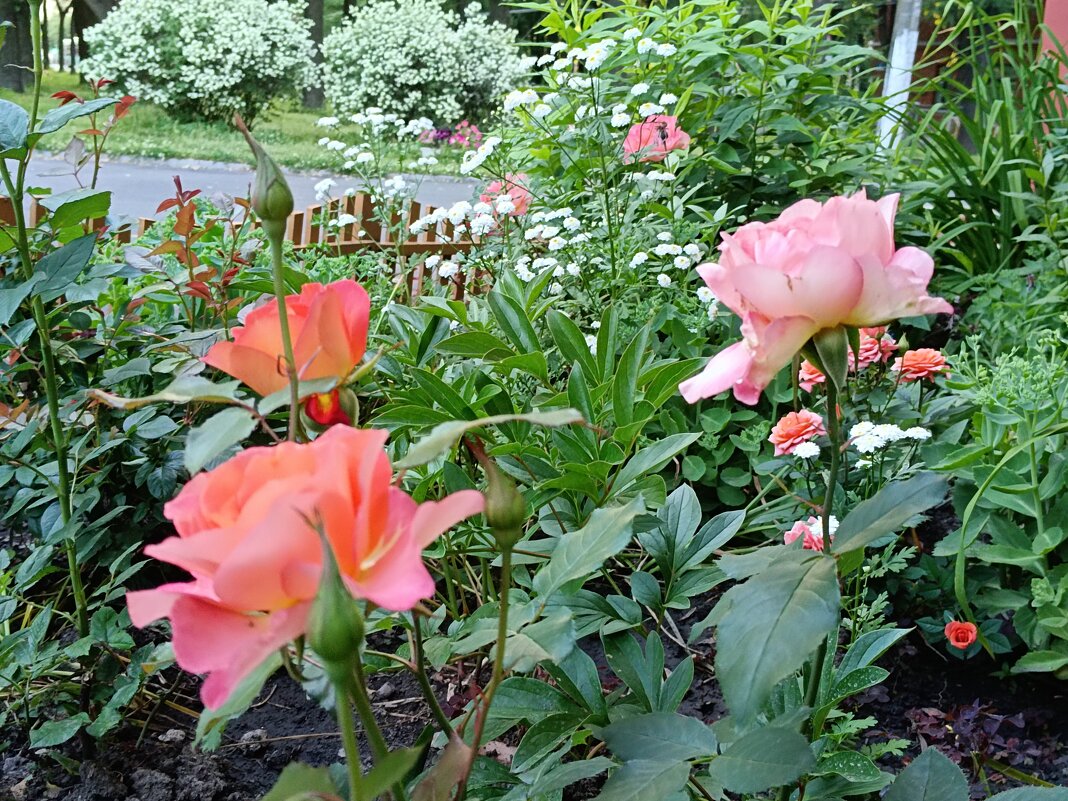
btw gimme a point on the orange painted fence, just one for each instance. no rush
(306, 229)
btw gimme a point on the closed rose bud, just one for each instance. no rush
(506, 509)
(271, 198)
(335, 624)
(960, 635)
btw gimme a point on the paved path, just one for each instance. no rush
(138, 185)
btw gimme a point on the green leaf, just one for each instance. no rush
(549, 639)
(182, 390)
(653, 458)
(1032, 794)
(888, 510)
(645, 779)
(444, 436)
(580, 553)
(61, 267)
(211, 722)
(76, 206)
(930, 777)
(1040, 662)
(867, 648)
(764, 758)
(297, 778)
(476, 344)
(215, 435)
(11, 299)
(543, 738)
(625, 383)
(57, 732)
(513, 322)
(58, 117)
(772, 623)
(520, 699)
(660, 736)
(559, 777)
(570, 341)
(389, 770)
(14, 126)
(850, 765)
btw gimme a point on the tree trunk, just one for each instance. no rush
(17, 51)
(60, 49)
(313, 96)
(46, 55)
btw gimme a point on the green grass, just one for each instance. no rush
(288, 132)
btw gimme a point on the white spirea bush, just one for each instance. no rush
(204, 58)
(416, 58)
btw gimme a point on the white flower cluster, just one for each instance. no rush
(476, 219)
(869, 437)
(202, 58)
(417, 57)
(805, 450)
(448, 268)
(473, 159)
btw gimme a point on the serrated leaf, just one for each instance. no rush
(930, 777)
(580, 553)
(764, 758)
(888, 510)
(659, 736)
(773, 623)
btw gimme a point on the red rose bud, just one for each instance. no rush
(960, 635)
(325, 408)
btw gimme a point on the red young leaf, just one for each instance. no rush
(91, 132)
(65, 97)
(169, 203)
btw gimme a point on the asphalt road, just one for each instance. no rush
(138, 186)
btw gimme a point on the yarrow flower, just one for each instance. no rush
(807, 450)
(664, 280)
(810, 532)
(795, 428)
(639, 89)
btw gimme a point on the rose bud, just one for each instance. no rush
(329, 408)
(335, 625)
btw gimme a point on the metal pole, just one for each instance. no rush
(903, 44)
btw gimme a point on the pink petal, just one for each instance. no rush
(434, 518)
(726, 369)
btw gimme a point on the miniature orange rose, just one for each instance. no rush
(916, 365)
(795, 428)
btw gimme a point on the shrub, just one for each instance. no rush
(415, 58)
(203, 59)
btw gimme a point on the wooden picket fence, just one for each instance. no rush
(307, 229)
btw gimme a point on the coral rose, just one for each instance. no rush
(795, 428)
(244, 534)
(809, 375)
(515, 187)
(961, 635)
(812, 532)
(916, 365)
(329, 329)
(875, 346)
(818, 266)
(653, 138)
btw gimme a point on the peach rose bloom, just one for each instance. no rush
(922, 363)
(795, 428)
(329, 329)
(960, 635)
(812, 532)
(244, 535)
(818, 266)
(875, 346)
(809, 375)
(515, 187)
(653, 138)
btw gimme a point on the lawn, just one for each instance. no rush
(149, 132)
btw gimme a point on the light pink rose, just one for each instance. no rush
(818, 266)
(653, 138)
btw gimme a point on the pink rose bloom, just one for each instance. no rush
(818, 266)
(811, 530)
(515, 187)
(653, 138)
(809, 375)
(795, 428)
(243, 534)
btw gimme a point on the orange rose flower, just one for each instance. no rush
(809, 376)
(795, 428)
(329, 329)
(960, 635)
(244, 535)
(916, 365)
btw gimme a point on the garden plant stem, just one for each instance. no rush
(352, 748)
(274, 234)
